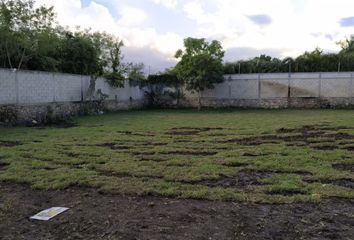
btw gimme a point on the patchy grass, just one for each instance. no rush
(253, 156)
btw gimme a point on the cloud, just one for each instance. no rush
(261, 19)
(131, 16)
(130, 26)
(293, 26)
(347, 22)
(170, 4)
(153, 60)
(238, 53)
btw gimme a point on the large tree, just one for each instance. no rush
(200, 65)
(20, 24)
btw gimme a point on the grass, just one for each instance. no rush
(291, 154)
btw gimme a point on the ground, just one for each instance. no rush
(182, 174)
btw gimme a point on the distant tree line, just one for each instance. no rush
(315, 61)
(30, 38)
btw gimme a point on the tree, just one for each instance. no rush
(136, 72)
(20, 24)
(200, 65)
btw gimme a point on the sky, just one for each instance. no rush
(153, 30)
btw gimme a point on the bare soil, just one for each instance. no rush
(344, 167)
(304, 136)
(96, 216)
(9, 143)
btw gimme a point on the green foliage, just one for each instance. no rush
(315, 61)
(136, 72)
(29, 40)
(21, 27)
(200, 66)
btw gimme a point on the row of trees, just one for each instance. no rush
(30, 38)
(315, 61)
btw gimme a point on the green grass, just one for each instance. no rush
(175, 153)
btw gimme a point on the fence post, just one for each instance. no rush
(351, 85)
(229, 85)
(54, 87)
(320, 86)
(82, 89)
(259, 87)
(289, 89)
(17, 87)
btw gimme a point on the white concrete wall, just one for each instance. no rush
(7, 87)
(276, 86)
(33, 87)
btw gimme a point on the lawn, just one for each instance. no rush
(278, 156)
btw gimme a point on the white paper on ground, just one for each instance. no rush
(48, 214)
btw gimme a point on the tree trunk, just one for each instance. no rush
(199, 100)
(22, 56)
(8, 55)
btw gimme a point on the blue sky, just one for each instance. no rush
(154, 29)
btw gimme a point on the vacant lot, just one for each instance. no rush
(274, 174)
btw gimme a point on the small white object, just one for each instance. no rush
(48, 214)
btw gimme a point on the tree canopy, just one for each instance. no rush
(314, 61)
(31, 39)
(200, 64)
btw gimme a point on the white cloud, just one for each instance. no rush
(296, 25)
(132, 17)
(292, 27)
(129, 27)
(170, 4)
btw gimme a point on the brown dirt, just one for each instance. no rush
(114, 146)
(3, 165)
(188, 131)
(96, 216)
(241, 180)
(246, 178)
(56, 125)
(340, 182)
(344, 167)
(191, 153)
(304, 136)
(124, 175)
(9, 143)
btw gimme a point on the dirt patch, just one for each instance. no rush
(347, 183)
(65, 124)
(325, 147)
(286, 192)
(186, 131)
(3, 165)
(72, 155)
(344, 167)
(183, 133)
(143, 153)
(240, 180)
(152, 144)
(316, 127)
(139, 134)
(125, 175)
(153, 159)
(233, 164)
(96, 216)
(114, 146)
(191, 153)
(248, 154)
(316, 136)
(9, 143)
